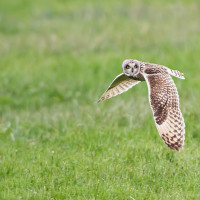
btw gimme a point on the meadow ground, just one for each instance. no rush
(56, 59)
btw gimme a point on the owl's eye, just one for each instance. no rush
(127, 67)
(135, 66)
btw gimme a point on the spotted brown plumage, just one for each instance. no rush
(163, 97)
(164, 101)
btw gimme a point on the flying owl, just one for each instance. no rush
(163, 97)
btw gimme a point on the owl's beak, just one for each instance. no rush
(132, 70)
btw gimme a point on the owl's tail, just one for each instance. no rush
(176, 73)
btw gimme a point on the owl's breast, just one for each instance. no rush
(139, 77)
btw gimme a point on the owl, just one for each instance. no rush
(163, 97)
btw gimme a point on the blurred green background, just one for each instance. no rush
(56, 59)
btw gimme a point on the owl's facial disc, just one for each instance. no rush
(131, 67)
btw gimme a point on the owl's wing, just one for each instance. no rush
(119, 85)
(164, 101)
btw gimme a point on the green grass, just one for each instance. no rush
(56, 59)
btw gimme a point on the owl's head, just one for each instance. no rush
(131, 67)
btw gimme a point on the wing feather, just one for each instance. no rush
(164, 102)
(119, 85)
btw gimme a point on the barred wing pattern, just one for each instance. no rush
(164, 101)
(119, 85)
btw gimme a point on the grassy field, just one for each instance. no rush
(56, 59)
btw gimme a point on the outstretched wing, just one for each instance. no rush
(119, 85)
(164, 101)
